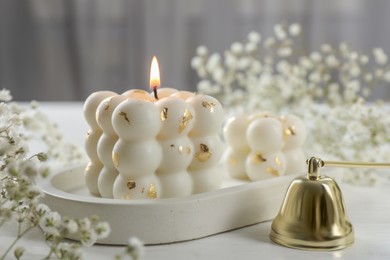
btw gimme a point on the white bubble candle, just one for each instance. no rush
(262, 146)
(152, 145)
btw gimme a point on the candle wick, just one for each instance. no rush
(155, 92)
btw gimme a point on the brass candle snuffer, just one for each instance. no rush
(313, 216)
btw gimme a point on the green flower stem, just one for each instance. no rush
(20, 235)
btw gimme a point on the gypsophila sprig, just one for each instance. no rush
(19, 169)
(275, 74)
(134, 250)
(326, 87)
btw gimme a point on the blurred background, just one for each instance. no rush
(54, 50)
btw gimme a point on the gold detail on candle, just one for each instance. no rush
(258, 158)
(124, 116)
(188, 150)
(278, 161)
(204, 153)
(115, 159)
(272, 171)
(152, 191)
(288, 132)
(233, 161)
(185, 120)
(209, 105)
(172, 145)
(181, 149)
(131, 185)
(143, 190)
(107, 106)
(164, 114)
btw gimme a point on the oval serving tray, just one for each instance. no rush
(161, 221)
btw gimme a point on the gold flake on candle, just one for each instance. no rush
(233, 161)
(185, 120)
(209, 105)
(288, 132)
(188, 150)
(115, 159)
(258, 158)
(272, 171)
(278, 161)
(143, 190)
(131, 185)
(204, 153)
(107, 107)
(124, 116)
(172, 145)
(152, 191)
(164, 114)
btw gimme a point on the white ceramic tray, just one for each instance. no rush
(160, 221)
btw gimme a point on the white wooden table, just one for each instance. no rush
(367, 207)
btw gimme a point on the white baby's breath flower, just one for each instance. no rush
(315, 56)
(306, 63)
(202, 73)
(218, 75)
(5, 95)
(353, 56)
(368, 77)
(326, 48)
(315, 77)
(69, 251)
(237, 48)
(50, 223)
(332, 61)
(43, 209)
(88, 238)
(196, 62)
(71, 226)
(294, 29)
(204, 86)
(102, 230)
(279, 32)
(364, 59)
(230, 60)
(255, 67)
(202, 51)
(380, 56)
(213, 62)
(135, 247)
(254, 37)
(269, 42)
(250, 47)
(353, 85)
(354, 70)
(243, 63)
(284, 52)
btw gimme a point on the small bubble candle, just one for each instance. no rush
(262, 146)
(152, 145)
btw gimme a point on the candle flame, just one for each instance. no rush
(154, 74)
